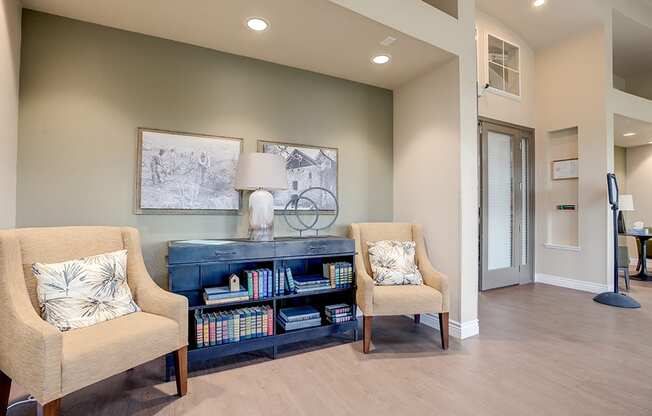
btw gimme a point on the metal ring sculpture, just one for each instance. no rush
(314, 211)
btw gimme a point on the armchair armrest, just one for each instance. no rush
(431, 277)
(364, 294)
(30, 348)
(147, 294)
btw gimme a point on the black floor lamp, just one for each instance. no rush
(615, 298)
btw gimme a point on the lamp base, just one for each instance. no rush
(261, 216)
(617, 299)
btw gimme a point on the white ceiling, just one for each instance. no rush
(624, 125)
(315, 35)
(632, 46)
(547, 25)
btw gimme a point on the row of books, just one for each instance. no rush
(338, 313)
(340, 274)
(236, 325)
(301, 317)
(259, 283)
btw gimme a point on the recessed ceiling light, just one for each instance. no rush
(538, 3)
(258, 24)
(381, 59)
(629, 134)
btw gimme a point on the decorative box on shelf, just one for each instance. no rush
(287, 272)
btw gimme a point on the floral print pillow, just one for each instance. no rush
(83, 292)
(392, 263)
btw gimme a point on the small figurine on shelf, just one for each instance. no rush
(234, 283)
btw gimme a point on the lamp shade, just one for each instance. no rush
(261, 171)
(626, 202)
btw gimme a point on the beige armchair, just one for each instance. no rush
(431, 297)
(48, 363)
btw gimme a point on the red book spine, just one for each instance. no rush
(270, 321)
(211, 329)
(256, 293)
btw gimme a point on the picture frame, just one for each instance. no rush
(181, 173)
(565, 169)
(308, 166)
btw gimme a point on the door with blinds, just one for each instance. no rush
(506, 219)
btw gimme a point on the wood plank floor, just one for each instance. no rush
(543, 350)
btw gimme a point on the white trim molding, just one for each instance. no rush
(570, 283)
(456, 329)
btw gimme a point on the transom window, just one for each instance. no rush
(503, 66)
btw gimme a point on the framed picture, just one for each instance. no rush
(307, 166)
(186, 173)
(565, 169)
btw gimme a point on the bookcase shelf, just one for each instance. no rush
(195, 265)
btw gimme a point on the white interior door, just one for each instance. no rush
(506, 206)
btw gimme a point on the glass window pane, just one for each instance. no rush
(499, 200)
(511, 57)
(512, 81)
(496, 53)
(496, 76)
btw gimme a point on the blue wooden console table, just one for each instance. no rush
(196, 264)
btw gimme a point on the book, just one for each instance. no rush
(199, 329)
(289, 280)
(299, 313)
(255, 278)
(208, 301)
(340, 319)
(270, 286)
(291, 326)
(223, 292)
(250, 283)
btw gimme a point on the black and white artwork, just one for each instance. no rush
(307, 167)
(186, 173)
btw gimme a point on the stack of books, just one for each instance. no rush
(338, 313)
(299, 317)
(339, 274)
(236, 325)
(310, 283)
(221, 295)
(259, 283)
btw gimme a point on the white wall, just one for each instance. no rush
(9, 74)
(457, 36)
(572, 92)
(513, 110)
(426, 134)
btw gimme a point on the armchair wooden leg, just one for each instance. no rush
(417, 318)
(52, 408)
(181, 370)
(443, 329)
(5, 388)
(366, 328)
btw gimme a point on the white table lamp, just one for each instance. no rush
(625, 203)
(261, 173)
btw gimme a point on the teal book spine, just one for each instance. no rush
(250, 284)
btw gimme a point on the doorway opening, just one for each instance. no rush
(506, 211)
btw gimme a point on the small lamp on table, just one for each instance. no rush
(261, 173)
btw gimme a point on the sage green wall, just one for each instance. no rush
(85, 89)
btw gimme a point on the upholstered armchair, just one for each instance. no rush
(49, 363)
(431, 297)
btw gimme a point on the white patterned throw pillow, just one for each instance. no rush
(83, 292)
(392, 263)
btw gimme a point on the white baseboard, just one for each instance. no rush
(455, 329)
(570, 283)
